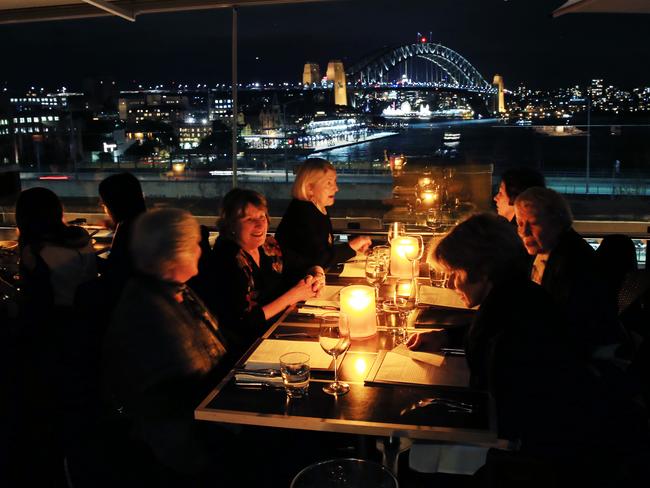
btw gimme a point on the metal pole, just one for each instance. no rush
(588, 142)
(234, 97)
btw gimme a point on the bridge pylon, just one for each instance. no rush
(336, 74)
(310, 73)
(500, 99)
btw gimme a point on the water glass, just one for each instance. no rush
(294, 367)
(394, 320)
(376, 272)
(438, 278)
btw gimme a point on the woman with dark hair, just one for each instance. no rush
(122, 199)
(548, 403)
(305, 232)
(54, 257)
(248, 289)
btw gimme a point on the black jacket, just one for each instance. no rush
(573, 280)
(306, 237)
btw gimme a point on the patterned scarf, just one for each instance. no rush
(272, 250)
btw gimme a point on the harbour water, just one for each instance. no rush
(608, 149)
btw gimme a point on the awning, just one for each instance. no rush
(16, 11)
(604, 6)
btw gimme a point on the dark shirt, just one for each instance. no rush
(573, 280)
(546, 398)
(306, 238)
(240, 288)
(161, 358)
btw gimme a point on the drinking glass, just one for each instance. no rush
(396, 229)
(294, 367)
(383, 251)
(405, 293)
(393, 314)
(438, 277)
(376, 272)
(334, 338)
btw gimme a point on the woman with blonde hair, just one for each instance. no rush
(305, 232)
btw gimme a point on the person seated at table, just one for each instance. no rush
(305, 232)
(163, 350)
(55, 259)
(123, 201)
(547, 401)
(247, 287)
(513, 182)
(566, 267)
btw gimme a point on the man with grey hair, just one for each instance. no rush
(565, 265)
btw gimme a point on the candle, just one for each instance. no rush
(358, 303)
(400, 250)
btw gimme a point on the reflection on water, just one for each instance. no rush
(503, 145)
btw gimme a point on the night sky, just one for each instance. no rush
(517, 38)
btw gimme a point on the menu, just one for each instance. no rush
(396, 367)
(440, 297)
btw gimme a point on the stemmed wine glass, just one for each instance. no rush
(414, 254)
(334, 338)
(396, 229)
(376, 272)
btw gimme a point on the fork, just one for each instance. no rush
(451, 405)
(280, 335)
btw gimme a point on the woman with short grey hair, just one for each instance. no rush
(163, 350)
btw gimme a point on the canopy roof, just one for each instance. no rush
(15, 11)
(604, 6)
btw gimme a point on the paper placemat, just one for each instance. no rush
(354, 269)
(440, 297)
(267, 354)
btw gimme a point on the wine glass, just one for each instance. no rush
(334, 338)
(396, 229)
(376, 272)
(414, 254)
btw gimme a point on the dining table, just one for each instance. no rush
(396, 413)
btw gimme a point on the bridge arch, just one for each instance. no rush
(463, 75)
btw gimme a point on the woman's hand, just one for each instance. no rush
(430, 341)
(303, 290)
(360, 244)
(319, 277)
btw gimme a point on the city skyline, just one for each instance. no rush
(516, 39)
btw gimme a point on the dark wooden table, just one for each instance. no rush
(368, 409)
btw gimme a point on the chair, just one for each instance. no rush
(345, 473)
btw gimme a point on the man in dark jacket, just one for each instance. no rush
(565, 265)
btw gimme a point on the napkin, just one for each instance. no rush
(243, 379)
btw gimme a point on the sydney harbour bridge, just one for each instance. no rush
(421, 66)
(452, 69)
